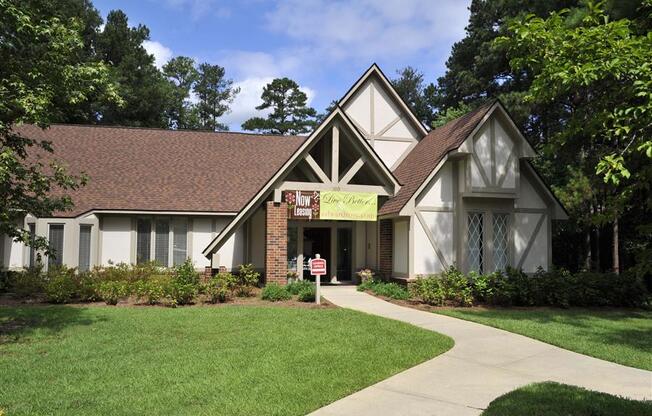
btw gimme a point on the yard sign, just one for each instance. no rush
(318, 269)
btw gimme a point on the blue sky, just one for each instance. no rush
(323, 45)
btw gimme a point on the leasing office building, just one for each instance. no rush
(370, 187)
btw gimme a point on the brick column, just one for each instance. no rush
(208, 273)
(276, 243)
(385, 247)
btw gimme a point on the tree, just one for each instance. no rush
(145, 91)
(410, 87)
(181, 72)
(40, 73)
(600, 71)
(289, 114)
(215, 93)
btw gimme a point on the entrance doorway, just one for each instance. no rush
(316, 241)
(334, 241)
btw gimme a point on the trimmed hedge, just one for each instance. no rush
(557, 287)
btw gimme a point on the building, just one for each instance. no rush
(370, 187)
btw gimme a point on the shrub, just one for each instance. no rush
(450, 287)
(428, 289)
(365, 275)
(28, 283)
(185, 273)
(390, 290)
(296, 287)
(153, 290)
(247, 280)
(86, 286)
(112, 291)
(220, 287)
(179, 293)
(275, 292)
(307, 293)
(61, 285)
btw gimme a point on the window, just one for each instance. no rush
(501, 233)
(84, 247)
(475, 238)
(180, 248)
(32, 252)
(143, 240)
(55, 238)
(162, 242)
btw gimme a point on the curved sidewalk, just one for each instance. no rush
(484, 364)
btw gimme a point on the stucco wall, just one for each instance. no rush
(400, 248)
(116, 244)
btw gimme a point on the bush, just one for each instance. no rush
(28, 283)
(153, 290)
(220, 287)
(185, 273)
(296, 287)
(61, 284)
(112, 291)
(275, 292)
(247, 279)
(179, 293)
(390, 290)
(307, 293)
(448, 288)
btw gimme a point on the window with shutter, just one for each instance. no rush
(162, 241)
(55, 238)
(84, 247)
(180, 248)
(143, 240)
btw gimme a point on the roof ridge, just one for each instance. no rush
(117, 126)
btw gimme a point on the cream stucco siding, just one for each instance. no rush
(116, 240)
(202, 234)
(400, 251)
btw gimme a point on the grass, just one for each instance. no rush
(553, 399)
(620, 336)
(232, 360)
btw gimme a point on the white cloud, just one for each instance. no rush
(369, 29)
(161, 53)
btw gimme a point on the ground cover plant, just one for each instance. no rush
(380, 288)
(231, 360)
(553, 399)
(619, 335)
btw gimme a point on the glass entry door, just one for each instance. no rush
(344, 253)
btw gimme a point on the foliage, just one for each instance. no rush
(557, 287)
(289, 114)
(299, 285)
(275, 292)
(409, 85)
(365, 275)
(220, 287)
(248, 278)
(29, 283)
(607, 60)
(178, 292)
(185, 273)
(182, 74)
(552, 399)
(215, 93)
(151, 290)
(61, 286)
(308, 293)
(450, 114)
(390, 290)
(112, 291)
(40, 74)
(449, 288)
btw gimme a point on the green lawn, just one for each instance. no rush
(232, 360)
(621, 336)
(552, 399)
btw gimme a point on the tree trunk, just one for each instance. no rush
(598, 265)
(587, 246)
(616, 257)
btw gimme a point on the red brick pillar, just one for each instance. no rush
(208, 273)
(385, 247)
(276, 243)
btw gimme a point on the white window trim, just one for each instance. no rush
(152, 242)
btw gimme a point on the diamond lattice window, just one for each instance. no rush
(475, 242)
(500, 229)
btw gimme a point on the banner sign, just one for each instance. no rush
(331, 205)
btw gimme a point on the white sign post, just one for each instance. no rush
(318, 269)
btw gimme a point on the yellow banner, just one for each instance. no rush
(354, 206)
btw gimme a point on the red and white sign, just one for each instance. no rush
(318, 267)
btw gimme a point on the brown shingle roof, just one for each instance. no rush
(165, 170)
(426, 155)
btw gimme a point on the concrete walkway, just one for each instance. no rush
(484, 364)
